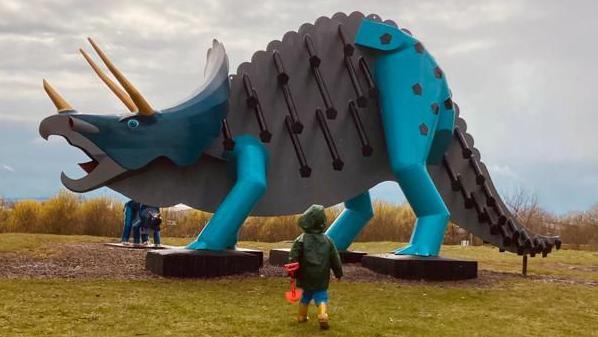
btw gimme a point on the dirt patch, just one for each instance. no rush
(85, 260)
(96, 260)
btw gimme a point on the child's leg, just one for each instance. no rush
(303, 305)
(321, 299)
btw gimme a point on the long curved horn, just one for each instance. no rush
(61, 104)
(123, 96)
(143, 106)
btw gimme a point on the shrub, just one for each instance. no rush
(59, 214)
(24, 217)
(100, 217)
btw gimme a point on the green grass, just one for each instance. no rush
(254, 306)
(41, 244)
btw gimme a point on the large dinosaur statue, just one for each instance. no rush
(318, 117)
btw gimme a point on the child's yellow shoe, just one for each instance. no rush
(302, 317)
(323, 316)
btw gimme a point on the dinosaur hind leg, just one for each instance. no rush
(432, 214)
(358, 211)
(221, 232)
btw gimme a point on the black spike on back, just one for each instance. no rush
(348, 47)
(480, 208)
(466, 194)
(502, 217)
(228, 142)
(366, 148)
(452, 175)
(479, 176)
(251, 99)
(467, 152)
(315, 61)
(365, 70)
(362, 101)
(282, 77)
(283, 82)
(337, 162)
(490, 199)
(348, 50)
(253, 102)
(492, 222)
(304, 168)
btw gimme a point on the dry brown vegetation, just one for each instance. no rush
(67, 213)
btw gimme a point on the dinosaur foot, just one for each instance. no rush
(412, 249)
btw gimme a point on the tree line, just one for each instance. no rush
(67, 213)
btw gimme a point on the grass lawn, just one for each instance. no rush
(254, 306)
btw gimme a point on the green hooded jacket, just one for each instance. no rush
(315, 252)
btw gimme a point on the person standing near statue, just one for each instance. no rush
(150, 220)
(130, 214)
(316, 254)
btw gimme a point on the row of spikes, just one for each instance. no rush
(130, 96)
(492, 212)
(292, 122)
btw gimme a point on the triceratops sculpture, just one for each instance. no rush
(318, 117)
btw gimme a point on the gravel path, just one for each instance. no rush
(96, 260)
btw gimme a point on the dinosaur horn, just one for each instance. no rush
(61, 104)
(123, 96)
(143, 106)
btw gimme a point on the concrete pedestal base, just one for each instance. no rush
(136, 246)
(421, 268)
(280, 256)
(201, 263)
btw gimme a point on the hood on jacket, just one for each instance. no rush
(313, 220)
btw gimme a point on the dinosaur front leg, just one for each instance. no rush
(358, 211)
(250, 159)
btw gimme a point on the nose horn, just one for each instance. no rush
(61, 104)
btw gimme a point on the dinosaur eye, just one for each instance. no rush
(133, 123)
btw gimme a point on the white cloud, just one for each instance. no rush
(7, 167)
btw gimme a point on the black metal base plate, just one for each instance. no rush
(421, 268)
(255, 252)
(280, 256)
(201, 263)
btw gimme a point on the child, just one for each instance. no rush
(150, 221)
(316, 255)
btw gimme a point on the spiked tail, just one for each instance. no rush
(474, 203)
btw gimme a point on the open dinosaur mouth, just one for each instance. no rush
(100, 168)
(89, 166)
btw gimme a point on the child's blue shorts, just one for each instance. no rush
(319, 296)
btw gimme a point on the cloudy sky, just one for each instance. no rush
(523, 73)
